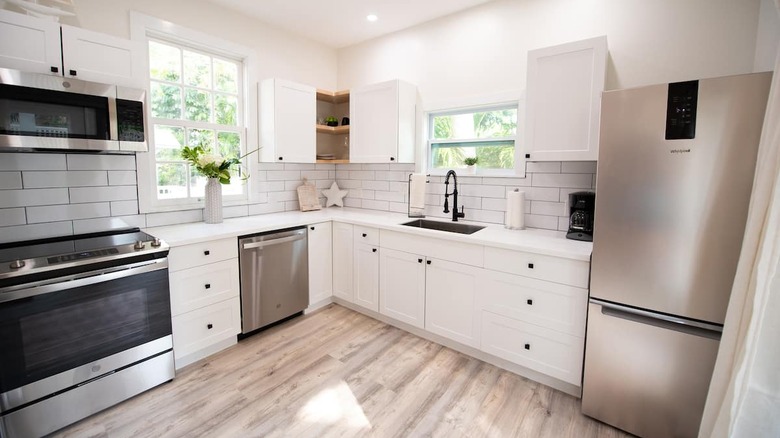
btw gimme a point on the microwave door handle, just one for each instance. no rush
(113, 121)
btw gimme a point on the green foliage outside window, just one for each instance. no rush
(494, 154)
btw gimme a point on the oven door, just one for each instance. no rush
(100, 321)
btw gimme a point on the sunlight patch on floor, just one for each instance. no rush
(334, 405)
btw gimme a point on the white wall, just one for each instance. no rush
(768, 38)
(483, 50)
(280, 53)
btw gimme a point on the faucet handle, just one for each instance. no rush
(461, 213)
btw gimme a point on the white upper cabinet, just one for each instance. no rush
(288, 113)
(43, 46)
(382, 118)
(563, 100)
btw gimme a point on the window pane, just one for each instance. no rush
(197, 70)
(485, 124)
(197, 183)
(164, 62)
(490, 155)
(225, 76)
(236, 185)
(229, 144)
(225, 108)
(201, 137)
(197, 104)
(168, 141)
(166, 101)
(171, 180)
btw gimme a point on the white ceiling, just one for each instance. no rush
(341, 23)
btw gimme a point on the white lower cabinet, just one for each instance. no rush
(366, 276)
(342, 261)
(197, 330)
(402, 286)
(320, 262)
(451, 306)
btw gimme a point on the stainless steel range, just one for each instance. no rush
(85, 322)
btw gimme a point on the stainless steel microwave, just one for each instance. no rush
(42, 112)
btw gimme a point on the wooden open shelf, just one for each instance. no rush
(332, 161)
(323, 129)
(333, 96)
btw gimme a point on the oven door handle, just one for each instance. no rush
(81, 279)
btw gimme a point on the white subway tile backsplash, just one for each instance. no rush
(174, 217)
(283, 175)
(350, 184)
(494, 204)
(270, 207)
(366, 194)
(36, 231)
(235, 211)
(100, 162)
(314, 174)
(73, 178)
(547, 208)
(376, 205)
(299, 166)
(481, 191)
(121, 178)
(353, 202)
(17, 161)
(569, 180)
(108, 223)
(516, 182)
(124, 208)
(376, 167)
(10, 180)
(362, 174)
(54, 213)
(543, 167)
(496, 217)
(291, 195)
(270, 186)
(544, 222)
(398, 207)
(291, 205)
(12, 216)
(578, 167)
(25, 198)
(92, 194)
(389, 196)
(468, 202)
(563, 224)
(376, 185)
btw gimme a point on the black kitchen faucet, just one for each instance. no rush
(455, 213)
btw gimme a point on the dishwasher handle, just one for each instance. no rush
(270, 242)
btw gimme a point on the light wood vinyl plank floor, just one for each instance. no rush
(336, 372)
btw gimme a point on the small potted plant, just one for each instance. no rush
(471, 165)
(332, 121)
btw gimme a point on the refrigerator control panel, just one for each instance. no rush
(681, 110)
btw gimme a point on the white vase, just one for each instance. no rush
(212, 213)
(470, 170)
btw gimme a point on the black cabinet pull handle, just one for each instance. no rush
(530, 302)
(528, 155)
(281, 158)
(312, 228)
(364, 234)
(530, 266)
(208, 285)
(373, 249)
(206, 252)
(428, 262)
(392, 158)
(55, 69)
(419, 260)
(73, 72)
(527, 346)
(209, 326)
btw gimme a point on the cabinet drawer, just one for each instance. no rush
(366, 235)
(197, 254)
(555, 354)
(551, 305)
(444, 249)
(196, 330)
(202, 286)
(555, 269)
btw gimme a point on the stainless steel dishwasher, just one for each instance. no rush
(274, 276)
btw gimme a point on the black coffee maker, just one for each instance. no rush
(581, 205)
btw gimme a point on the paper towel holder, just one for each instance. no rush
(409, 197)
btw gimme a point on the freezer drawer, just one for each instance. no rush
(644, 375)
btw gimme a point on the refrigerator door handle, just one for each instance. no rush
(703, 329)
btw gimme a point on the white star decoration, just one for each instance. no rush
(335, 195)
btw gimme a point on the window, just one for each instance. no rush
(486, 133)
(196, 99)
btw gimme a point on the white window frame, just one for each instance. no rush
(142, 29)
(476, 104)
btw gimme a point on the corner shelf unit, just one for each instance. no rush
(333, 140)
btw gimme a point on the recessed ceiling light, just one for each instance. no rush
(372, 17)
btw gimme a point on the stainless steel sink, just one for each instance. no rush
(450, 227)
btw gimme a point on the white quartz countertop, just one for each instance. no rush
(553, 243)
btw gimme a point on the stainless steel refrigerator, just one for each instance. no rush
(675, 171)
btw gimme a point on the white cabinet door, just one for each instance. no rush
(288, 116)
(366, 276)
(451, 307)
(402, 286)
(29, 44)
(320, 262)
(382, 123)
(563, 103)
(97, 57)
(342, 261)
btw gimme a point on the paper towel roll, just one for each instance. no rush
(515, 210)
(417, 193)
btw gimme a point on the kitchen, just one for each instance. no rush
(56, 194)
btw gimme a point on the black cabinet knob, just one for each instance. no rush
(72, 72)
(527, 155)
(55, 69)
(281, 158)
(527, 346)
(419, 260)
(312, 228)
(364, 234)
(373, 249)
(206, 252)
(208, 286)
(428, 262)
(392, 158)
(530, 266)
(209, 326)
(530, 302)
